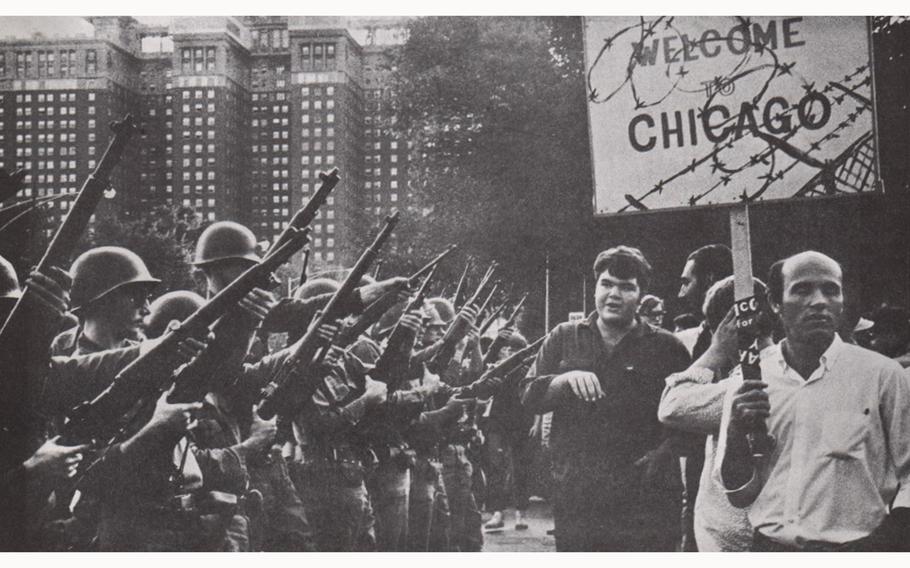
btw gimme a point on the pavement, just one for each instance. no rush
(539, 518)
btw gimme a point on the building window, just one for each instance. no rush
(91, 61)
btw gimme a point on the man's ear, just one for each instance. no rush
(775, 307)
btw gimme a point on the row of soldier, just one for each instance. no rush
(359, 465)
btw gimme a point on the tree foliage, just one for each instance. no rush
(496, 111)
(164, 237)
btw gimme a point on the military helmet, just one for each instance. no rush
(443, 308)
(177, 305)
(9, 281)
(316, 287)
(100, 271)
(225, 240)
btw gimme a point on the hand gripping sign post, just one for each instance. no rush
(747, 312)
(692, 111)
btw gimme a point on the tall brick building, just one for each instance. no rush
(239, 115)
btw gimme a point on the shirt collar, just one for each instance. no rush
(826, 361)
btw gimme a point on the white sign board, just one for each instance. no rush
(692, 111)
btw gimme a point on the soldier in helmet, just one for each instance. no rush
(507, 450)
(236, 434)
(436, 522)
(111, 287)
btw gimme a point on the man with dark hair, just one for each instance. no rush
(602, 378)
(693, 402)
(838, 476)
(704, 266)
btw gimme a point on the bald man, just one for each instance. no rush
(838, 477)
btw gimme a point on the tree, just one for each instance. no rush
(500, 164)
(164, 237)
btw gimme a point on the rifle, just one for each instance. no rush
(26, 314)
(10, 184)
(399, 337)
(489, 321)
(456, 330)
(305, 216)
(460, 290)
(287, 387)
(306, 265)
(152, 372)
(496, 346)
(480, 388)
(355, 326)
(486, 302)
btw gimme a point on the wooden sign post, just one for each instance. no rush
(747, 309)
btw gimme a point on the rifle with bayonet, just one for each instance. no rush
(290, 385)
(491, 318)
(493, 380)
(28, 327)
(153, 372)
(354, 327)
(305, 216)
(234, 332)
(462, 289)
(493, 351)
(457, 329)
(400, 341)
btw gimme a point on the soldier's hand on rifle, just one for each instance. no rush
(52, 289)
(371, 292)
(258, 303)
(458, 405)
(190, 348)
(177, 417)
(505, 333)
(375, 392)
(473, 335)
(55, 461)
(468, 313)
(327, 331)
(413, 322)
(431, 382)
(583, 384)
(333, 357)
(262, 434)
(751, 406)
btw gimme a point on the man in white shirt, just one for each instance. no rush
(693, 402)
(838, 477)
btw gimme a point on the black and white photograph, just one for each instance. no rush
(446, 283)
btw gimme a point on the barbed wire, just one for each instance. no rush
(745, 67)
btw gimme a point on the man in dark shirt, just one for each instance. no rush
(602, 378)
